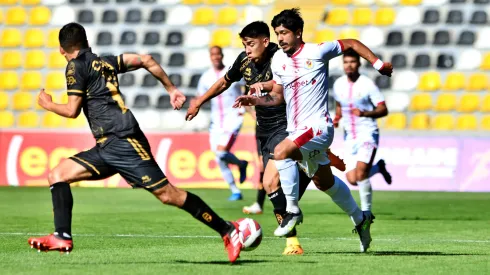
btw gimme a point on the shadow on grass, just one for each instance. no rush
(395, 253)
(190, 262)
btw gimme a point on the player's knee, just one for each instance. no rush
(56, 175)
(280, 153)
(361, 174)
(170, 195)
(352, 178)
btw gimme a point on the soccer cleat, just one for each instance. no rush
(232, 242)
(243, 171)
(288, 223)
(235, 197)
(382, 169)
(51, 243)
(335, 161)
(253, 209)
(293, 250)
(364, 230)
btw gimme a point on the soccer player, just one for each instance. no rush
(300, 75)
(360, 103)
(121, 146)
(226, 121)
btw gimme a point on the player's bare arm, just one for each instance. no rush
(273, 98)
(384, 68)
(218, 88)
(70, 110)
(338, 114)
(136, 61)
(380, 111)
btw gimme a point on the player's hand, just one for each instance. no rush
(246, 100)
(256, 89)
(387, 69)
(177, 99)
(357, 112)
(193, 110)
(44, 99)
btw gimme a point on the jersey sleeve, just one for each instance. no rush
(275, 72)
(117, 62)
(329, 50)
(75, 81)
(201, 85)
(375, 95)
(234, 74)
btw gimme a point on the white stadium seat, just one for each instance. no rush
(469, 60)
(53, 2)
(397, 101)
(148, 119)
(63, 15)
(197, 38)
(252, 14)
(434, 3)
(198, 59)
(199, 123)
(405, 81)
(180, 15)
(372, 37)
(482, 41)
(168, 2)
(172, 120)
(408, 16)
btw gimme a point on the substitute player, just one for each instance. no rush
(300, 79)
(121, 146)
(360, 103)
(226, 121)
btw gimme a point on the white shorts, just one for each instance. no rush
(360, 149)
(225, 136)
(313, 142)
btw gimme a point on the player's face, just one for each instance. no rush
(255, 47)
(288, 40)
(216, 57)
(351, 65)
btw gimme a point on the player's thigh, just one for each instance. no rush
(271, 177)
(226, 140)
(323, 177)
(366, 153)
(363, 166)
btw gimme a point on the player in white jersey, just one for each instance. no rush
(225, 121)
(300, 79)
(359, 103)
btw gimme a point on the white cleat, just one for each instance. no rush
(364, 230)
(253, 209)
(288, 223)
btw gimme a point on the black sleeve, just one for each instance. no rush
(75, 78)
(234, 74)
(117, 62)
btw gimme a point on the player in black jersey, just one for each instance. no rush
(121, 146)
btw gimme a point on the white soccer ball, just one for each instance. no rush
(250, 233)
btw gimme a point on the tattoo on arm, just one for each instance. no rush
(269, 98)
(134, 63)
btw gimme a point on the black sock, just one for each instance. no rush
(304, 181)
(261, 192)
(202, 212)
(278, 200)
(62, 208)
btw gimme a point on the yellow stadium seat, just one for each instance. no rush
(22, 101)
(443, 122)
(238, 2)
(469, 103)
(35, 59)
(477, 82)
(11, 59)
(485, 64)
(8, 2)
(227, 16)
(63, 99)
(485, 105)
(324, 35)
(421, 102)
(362, 17)
(16, 16)
(410, 2)
(349, 34)
(221, 37)
(214, 2)
(445, 102)
(53, 96)
(420, 121)
(10, 38)
(31, 2)
(9, 80)
(203, 16)
(53, 41)
(52, 120)
(396, 121)
(79, 122)
(6, 119)
(191, 2)
(341, 2)
(55, 81)
(1, 17)
(385, 17)
(485, 123)
(34, 38)
(31, 80)
(337, 17)
(39, 16)
(430, 81)
(466, 122)
(454, 82)
(4, 100)
(28, 119)
(56, 60)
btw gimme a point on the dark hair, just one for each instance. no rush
(216, 47)
(255, 29)
(72, 37)
(290, 19)
(352, 53)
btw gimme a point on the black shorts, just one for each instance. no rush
(269, 141)
(131, 157)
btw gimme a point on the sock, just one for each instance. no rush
(374, 170)
(195, 206)
(342, 196)
(62, 208)
(228, 157)
(366, 194)
(289, 177)
(227, 175)
(261, 197)
(278, 200)
(304, 181)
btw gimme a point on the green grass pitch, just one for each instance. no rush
(123, 231)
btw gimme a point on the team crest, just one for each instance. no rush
(247, 72)
(70, 70)
(309, 64)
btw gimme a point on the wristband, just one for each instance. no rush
(378, 64)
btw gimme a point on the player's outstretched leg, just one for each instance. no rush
(380, 167)
(224, 158)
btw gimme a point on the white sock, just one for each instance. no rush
(374, 170)
(366, 194)
(289, 177)
(227, 175)
(342, 196)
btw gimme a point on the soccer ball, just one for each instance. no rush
(250, 233)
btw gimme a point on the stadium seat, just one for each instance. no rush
(51, 93)
(79, 122)
(485, 64)
(454, 17)
(362, 17)
(157, 16)
(410, 2)
(141, 101)
(107, 1)
(191, 2)
(372, 37)
(250, 14)
(180, 15)
(399, 61)
(28, 119)
(479, 17)
(477, 82)
(466, 38)
(128, 38)
(203, 16)
(481, 2)
(31, 80)
(149, 81)
(418, 38)
(422, 61)
(34, 38)
(157, 57)
(238, 2)
(197, 38)
(4, 100)
(227, 16)
(469, 103)
(1, 17)
(15, 16)
(22, 101)
(341, 2)
(77, 1)
(387, 2)
(421, 102)
(396, 121)
(431, 16)
(445, 61)
(467, 122)
(9, 80)
(429, 82)
(39, 15)
(163, 102)
(349, 34)
(104, 38)
(35, 59)
(151, 38)
(63, 98)
(10, 59)
(86, 16)
(213, 2)
(52, 120)
(53, 41)
(482, 41)
(395, 38)
(405, 81)
(385, 17)
(383, 82)
(454, 82)
(30, 2)
(110, 17)
(485, 123)
(126, 80)
(174, 38)
(420, 121)
(434, 3)
(55, 81)
(200, 59)
(324, 35)
(176, 79)
(56, 60)
(133, 16)
(442, 38)
(222, 38)
(195, 80)
(443, 122)
(6, 119)
(445, 102)
(408, 16)
(469, 59)
(10, 38)
(337, 17)
(62, 15)
(485, 105)
(8, 2)
(363, 2)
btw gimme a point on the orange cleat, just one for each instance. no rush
(335, 161)
(51, 243)
(232, 243)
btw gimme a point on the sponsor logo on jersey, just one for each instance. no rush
(309, 64)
